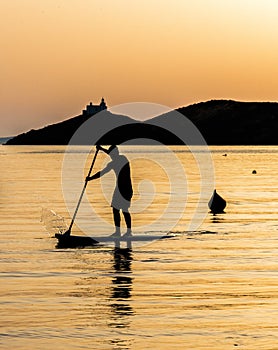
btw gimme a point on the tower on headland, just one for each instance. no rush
(93, 109)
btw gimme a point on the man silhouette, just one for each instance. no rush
(123, 191)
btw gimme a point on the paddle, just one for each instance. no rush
(67, 233)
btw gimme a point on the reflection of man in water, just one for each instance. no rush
(123, 190)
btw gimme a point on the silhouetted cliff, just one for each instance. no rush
(221, 122)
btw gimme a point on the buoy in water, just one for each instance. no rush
(254, 172)
(217, 204)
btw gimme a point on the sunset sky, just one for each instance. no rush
(58, 55)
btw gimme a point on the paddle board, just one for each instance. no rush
(71, 241)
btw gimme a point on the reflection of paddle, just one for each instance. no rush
(67, 233)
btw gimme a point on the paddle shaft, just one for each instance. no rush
(83, 190)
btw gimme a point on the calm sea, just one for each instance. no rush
(213, 286)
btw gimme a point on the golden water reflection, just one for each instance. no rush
(215, 288)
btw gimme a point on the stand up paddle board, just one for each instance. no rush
(71, 241)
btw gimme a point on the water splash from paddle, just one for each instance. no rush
(53, 222)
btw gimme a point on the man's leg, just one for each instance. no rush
(127, 217)
(117, 222)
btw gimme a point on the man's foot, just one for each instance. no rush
(128, 233)
(116, 234)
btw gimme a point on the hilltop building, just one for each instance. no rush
(93, 109)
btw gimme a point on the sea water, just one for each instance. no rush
(213, 286)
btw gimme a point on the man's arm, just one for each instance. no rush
(95, 176)
(100, 173)
(100, 148)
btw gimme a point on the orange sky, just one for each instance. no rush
(57, 55)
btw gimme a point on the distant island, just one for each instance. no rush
(221, 122)
(4, 140)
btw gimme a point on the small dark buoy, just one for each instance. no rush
(217, 204)
(254, 172)
(224, 155)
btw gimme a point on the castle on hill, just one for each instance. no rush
(93, 109)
